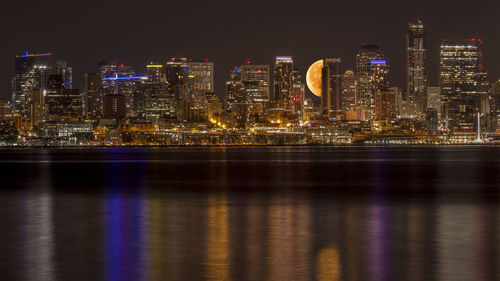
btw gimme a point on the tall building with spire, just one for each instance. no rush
(416, 70)
(368, 54)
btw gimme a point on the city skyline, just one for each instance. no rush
(388, 31)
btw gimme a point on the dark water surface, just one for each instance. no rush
(273, 213)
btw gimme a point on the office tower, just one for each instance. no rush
(38, 108)
(64, 104)
(385, 105)
(176, 74)
(364, 94)
(331, 87)
(155, 73)
(416, 77)
(434, 98)
(259, 74)
(460, 75)
(118, 78)
(5, 111)
(62, 68)
(201, 81)
(234, 89)
(159, 104)
(379, 75)
(92, 97)
(283, 78)
(214, 105)
(348, 91)
(114, 106)
(298, 94)
(30, 72)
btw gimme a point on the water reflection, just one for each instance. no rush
(237, 219)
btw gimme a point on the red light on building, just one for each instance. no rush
(121, 65)
(473, 40)
(206, 59)
(249, 62)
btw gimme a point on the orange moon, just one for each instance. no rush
(313, 77)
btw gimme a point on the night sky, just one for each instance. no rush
(230, 32)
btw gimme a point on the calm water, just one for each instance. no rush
(287, 213)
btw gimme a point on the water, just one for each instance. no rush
(265, 213)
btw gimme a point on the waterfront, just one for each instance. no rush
(250, 213)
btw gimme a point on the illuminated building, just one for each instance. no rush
(385, 107)
(38, 108)
(260, 74)
(155, 73)
(384, 99)
(298, 94)
(416, 78)
(201, 81)
(114, 106)
(30, 72)
(460, 76)
(64, 104)
(234, 89)
(331, 87)
(348, 91)
(118, 78)
(176, 73)
(364, 90)
(434, 99)
(214, 105)
(159, 103)
(92, 97)
(283, 68)
(5, 111)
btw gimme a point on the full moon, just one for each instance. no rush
(313, 77)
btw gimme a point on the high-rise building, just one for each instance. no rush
(114, 106)
(118, 78)
(416, 77)
(368, 54)
(201, 81)
(298, 94)
(159, 103)
(234, 89)
(331, 87)
(434, 99)
(460, 76)
(283, 79)
(348, 91)
(177, 71)
(260, 74)
(214, 105)
(64, 104)
(385, 105)
(30, 72)
(91, 96)
(155, 72)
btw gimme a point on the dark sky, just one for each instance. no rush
(229, 32)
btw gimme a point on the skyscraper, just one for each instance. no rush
(364, 93)
(331, 87)
(298, 94)
(201, 81)
(118, 78)
(416, 77)
(348, 91)
(30, 72)
(234, 88)
(91, 96)
(259, 74)
(460, 75)
(283, 68)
